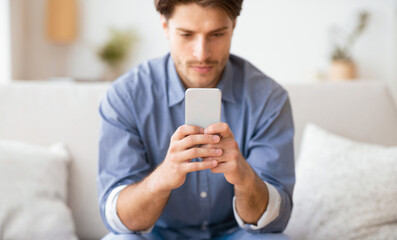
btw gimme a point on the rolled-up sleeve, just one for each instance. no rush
(112, 218)
(271, 154)
(268, 216)
(122, 156)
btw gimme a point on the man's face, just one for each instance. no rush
(200, 40)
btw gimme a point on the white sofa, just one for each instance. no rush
(46, 113)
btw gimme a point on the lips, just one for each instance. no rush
(202, 69)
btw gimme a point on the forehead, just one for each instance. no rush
(195, 17)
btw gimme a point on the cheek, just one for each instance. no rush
(180, 49)
(221, 49)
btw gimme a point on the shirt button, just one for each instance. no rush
(204, 226)
(203, 194)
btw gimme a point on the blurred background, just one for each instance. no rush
(291, 41)
(336, 58)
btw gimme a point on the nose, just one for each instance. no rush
(201, 49)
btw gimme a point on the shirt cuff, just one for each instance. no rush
(111, 212)
(271, 213)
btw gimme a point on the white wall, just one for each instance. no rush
(99, 16)
(19, 41)
(287, 39)
(393, 61)
(5, 65)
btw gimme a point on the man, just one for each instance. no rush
(161, 179)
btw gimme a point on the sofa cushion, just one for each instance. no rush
(344, 189)
(33, 192)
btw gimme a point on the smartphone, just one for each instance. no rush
(202, 106)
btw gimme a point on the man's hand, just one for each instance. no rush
(141, 204)
(184, 147)
(252, 195)
(232, 164)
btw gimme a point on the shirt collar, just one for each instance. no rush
(176, 90)
(226, 83)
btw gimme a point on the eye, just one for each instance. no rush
(186, 35)
(217, 35)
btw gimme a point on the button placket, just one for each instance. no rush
(203, 194)
(205, 204)
(204, 225)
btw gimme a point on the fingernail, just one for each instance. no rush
(216, 138)
(218, 151)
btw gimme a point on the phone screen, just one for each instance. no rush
(202, 106)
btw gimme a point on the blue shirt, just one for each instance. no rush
(144, 107)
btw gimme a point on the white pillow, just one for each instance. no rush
(344, 189)
(33, 191)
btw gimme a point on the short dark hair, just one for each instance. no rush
(231, 7)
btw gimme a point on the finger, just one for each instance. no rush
(214, 145)
(219, 159)
(219, 128)
(198, 139)
(220, 168)
(186, 130)
(199, 153)
(225, 144)
(198, 166)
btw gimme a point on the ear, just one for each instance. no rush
(164, 24)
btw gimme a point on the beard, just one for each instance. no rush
(191, 78)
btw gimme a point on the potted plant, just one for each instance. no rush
(115, 52)
(343, 66)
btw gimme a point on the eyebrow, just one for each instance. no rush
(216, 30)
